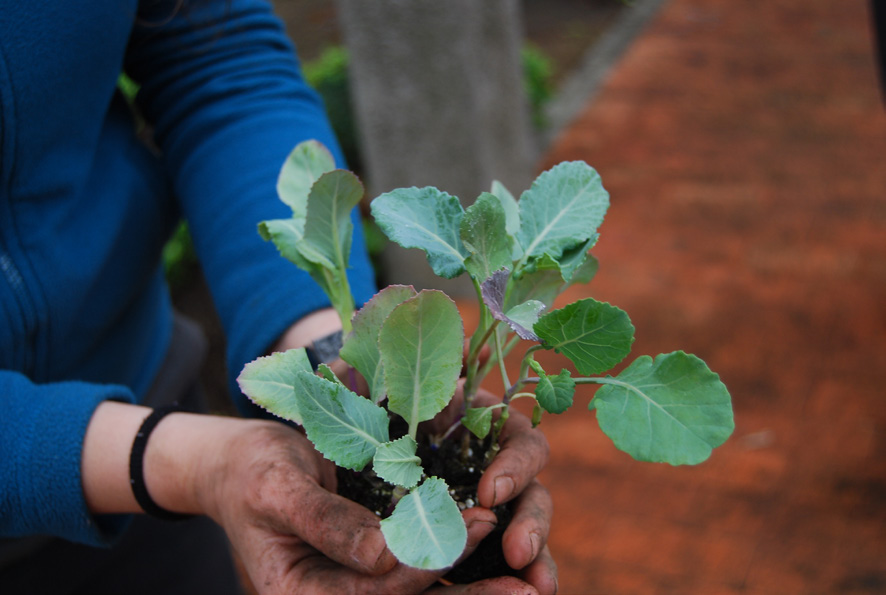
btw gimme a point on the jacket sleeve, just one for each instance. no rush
(41, 440)
(222, 88)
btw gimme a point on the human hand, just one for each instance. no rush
(274, 495)
(511, 476)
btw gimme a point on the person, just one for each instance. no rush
(91, 348)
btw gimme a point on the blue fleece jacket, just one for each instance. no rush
(85, 209)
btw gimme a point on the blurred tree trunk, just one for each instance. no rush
(439, 100)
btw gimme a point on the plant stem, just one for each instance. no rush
(397, 495)
(582, 380)
(489, 365)
(501, 360)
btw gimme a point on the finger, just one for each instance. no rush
(317, 574)
(528, 531)
(542, 573)
(343, 530)
(523, 454)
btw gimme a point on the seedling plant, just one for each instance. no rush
(409, 345)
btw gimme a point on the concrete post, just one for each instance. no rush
(439, 100)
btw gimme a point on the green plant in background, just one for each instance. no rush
(328, 75)
(179, 258)
(408, 345)
(538, 72)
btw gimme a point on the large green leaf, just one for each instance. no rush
(421, 345)
(345, 427)
(673, 409)
(593, 335)
(328, 228)
(426, 530)
(553, 393)
(485, 238)
(268, 382)
(304, 166)
(397, 463)
(561, 210)
(360, 347)
(424, 218)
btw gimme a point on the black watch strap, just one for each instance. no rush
(325, 349)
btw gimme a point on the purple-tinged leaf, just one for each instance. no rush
(521, 317)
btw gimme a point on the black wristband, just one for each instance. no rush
(136, 467)
(324, 350)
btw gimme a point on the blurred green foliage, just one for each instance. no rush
(179, 257)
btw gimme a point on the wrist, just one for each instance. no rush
(184, 458)
(308, 329)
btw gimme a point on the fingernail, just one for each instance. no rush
(364, 546)
(534, 544)
(503, 488)
(385, 561)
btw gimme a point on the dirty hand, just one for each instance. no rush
(511, 476)
(274, 495)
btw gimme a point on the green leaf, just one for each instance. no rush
(493, 292)
(561, 210)
(512, 217)
(585, 271)
(328, 227)
(327, 374)
(594, 335)
(424, 218)
(345, 427)
(478, 420)
(397, 463)
(525, 315)
(509, 204)
(268, 382)
(542, 284)
(484, 236)
(360, 347)
(286, 234)
(673, 409)
(421, 345)
(555, 393)
(304, 166)
(572, 259)
(426, 530)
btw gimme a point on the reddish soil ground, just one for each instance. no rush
(744, 146)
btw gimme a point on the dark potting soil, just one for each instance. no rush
(462, 474)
